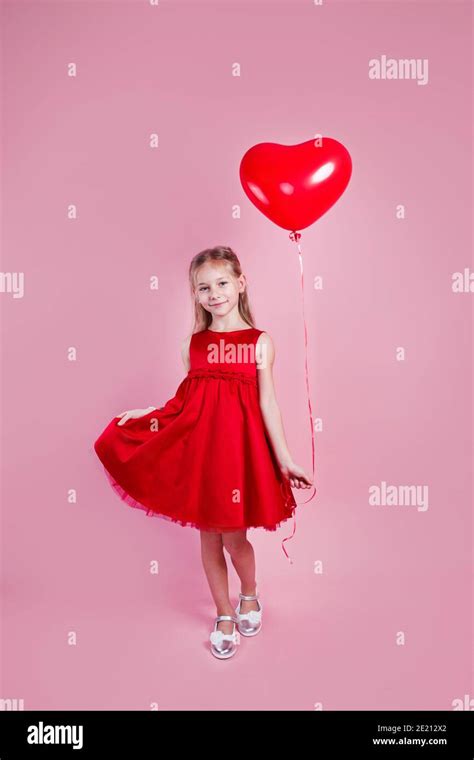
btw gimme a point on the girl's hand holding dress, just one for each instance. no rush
(134, 414)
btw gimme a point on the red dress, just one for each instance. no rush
(204, 458)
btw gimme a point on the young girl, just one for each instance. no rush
(214, 457)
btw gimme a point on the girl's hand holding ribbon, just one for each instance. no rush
(297, 476)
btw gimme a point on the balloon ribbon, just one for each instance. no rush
(295, 236)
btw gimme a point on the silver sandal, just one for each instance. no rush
(224, 645)
(249, 623)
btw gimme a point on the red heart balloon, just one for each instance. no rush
(293, 185)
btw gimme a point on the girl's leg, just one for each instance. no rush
(243, 558)
(215, 567)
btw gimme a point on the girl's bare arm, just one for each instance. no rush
(265, 357)
(185, 352)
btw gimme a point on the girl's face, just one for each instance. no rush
(217, 289)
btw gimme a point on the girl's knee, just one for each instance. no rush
(211, 538)
(235, 542)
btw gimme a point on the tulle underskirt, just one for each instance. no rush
(131, 502)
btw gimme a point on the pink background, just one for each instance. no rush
(328, 639)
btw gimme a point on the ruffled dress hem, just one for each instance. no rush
(132, 502)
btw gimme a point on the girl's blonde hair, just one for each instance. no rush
(227, 257)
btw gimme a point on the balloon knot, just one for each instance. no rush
(295, 236)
